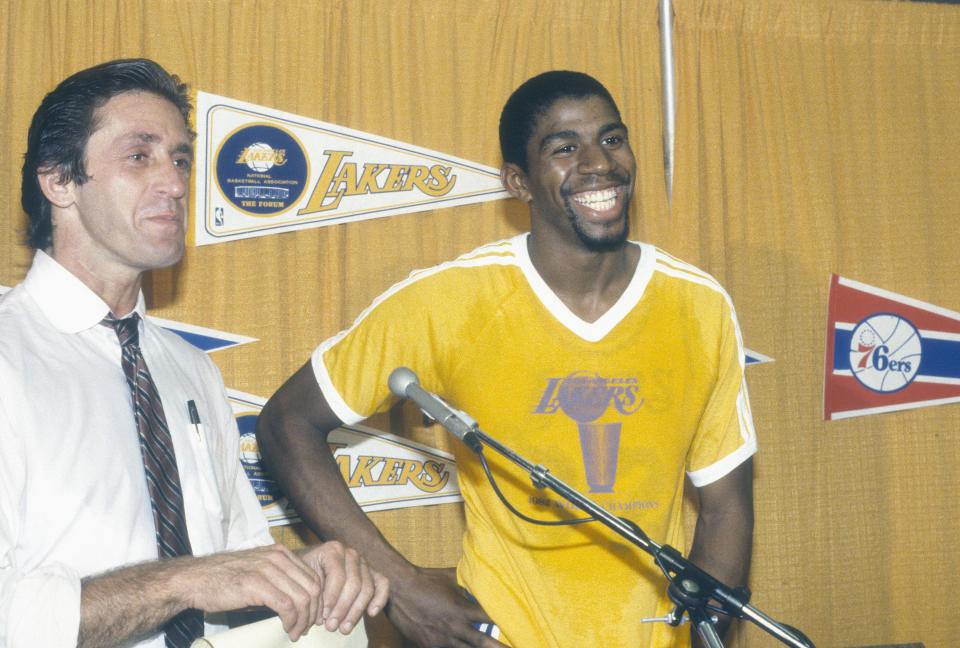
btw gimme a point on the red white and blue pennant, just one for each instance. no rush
(886, 352)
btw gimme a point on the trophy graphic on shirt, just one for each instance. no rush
(600, 445)
(585, 397)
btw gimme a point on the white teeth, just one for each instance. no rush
(597, 200)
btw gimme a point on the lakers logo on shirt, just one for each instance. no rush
(585, 397)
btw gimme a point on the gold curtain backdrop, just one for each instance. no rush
(813, 137)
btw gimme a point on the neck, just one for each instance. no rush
(118, 289)
(589, 283)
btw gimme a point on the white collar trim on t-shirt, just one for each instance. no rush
(598, 329)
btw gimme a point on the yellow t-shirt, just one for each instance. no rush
(620, 409)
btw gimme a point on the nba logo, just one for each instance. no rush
(885, 352)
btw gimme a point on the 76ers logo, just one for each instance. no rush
(885, 351)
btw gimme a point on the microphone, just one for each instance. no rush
(404, 383)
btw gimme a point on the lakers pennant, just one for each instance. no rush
(262, 171)
(383, 471)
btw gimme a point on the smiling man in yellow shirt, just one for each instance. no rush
(615, 365)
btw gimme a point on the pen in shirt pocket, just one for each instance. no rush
(195, 419)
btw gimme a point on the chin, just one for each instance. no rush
(167, 258)
(607, 241)
(604, 245)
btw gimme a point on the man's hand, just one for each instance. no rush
(271, 576)
(328, 584)
(350, 587)
(431, 610)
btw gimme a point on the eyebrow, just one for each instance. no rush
(612, 126)
(152, 138)
(572, 134)
(185, 149)
(144, 137)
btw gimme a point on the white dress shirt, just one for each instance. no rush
(73, 498)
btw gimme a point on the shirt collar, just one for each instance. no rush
(65, 300)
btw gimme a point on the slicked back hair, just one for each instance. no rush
(62, 125)
(533, 99)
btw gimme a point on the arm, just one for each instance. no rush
(425, 604)
(327, 584)
(722, 541)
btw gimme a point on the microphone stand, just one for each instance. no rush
(690, 587)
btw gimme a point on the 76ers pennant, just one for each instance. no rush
(887, 352)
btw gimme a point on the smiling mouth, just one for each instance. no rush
(166, 218)
(599, 201)
(165, 213)
(167, 223)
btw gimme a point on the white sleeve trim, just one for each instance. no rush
(343, 411)
(721, 468)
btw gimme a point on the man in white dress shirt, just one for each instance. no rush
(106, 187)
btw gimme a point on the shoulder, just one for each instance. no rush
(486, 269)
(444, 297)
(486, 259)
(676, 275)
(20, 321)
(680, 270)
(11, 301)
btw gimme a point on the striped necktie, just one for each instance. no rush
(160, 466)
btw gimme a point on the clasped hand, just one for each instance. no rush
(430, 609)
(326, 584)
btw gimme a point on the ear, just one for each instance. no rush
(514, 180)
(56, 188)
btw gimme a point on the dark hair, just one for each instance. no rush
(534, 98)
(62, 125)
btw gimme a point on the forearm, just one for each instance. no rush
(130, 602)
(301, 461)
(723, 540)
(426, 605)
(722, 547)
(136, 600)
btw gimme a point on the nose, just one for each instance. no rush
(172, 180)
(594, 159)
